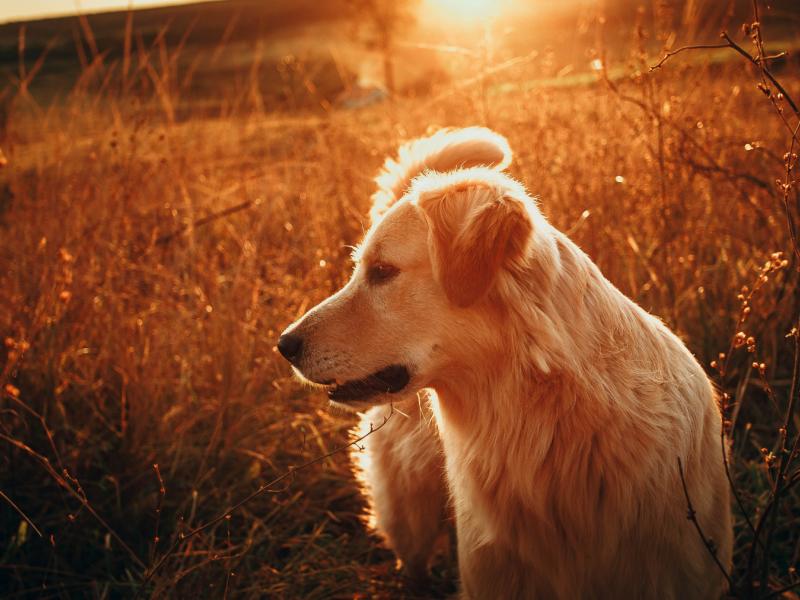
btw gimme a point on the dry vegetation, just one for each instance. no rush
(139, 332)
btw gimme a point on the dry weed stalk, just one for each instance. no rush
(184, 537)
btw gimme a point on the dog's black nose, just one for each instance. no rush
(290, 346)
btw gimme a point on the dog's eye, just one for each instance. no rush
(381, 273)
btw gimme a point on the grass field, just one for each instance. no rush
(154, 241)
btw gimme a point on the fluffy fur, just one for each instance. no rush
(401, 470)
(561, 406)
(446, 150)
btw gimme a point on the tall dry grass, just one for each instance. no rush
(139, 315)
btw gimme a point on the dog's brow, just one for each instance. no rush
(358, 253)
(370, 254)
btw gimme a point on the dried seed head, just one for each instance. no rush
(739, 339)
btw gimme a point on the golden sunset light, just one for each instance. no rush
(464, 10)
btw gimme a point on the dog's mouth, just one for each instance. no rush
(389, 380)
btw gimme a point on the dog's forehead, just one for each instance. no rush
(400, 237)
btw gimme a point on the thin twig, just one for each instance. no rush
(786, 186)
(164, 239)
(784, 456)
(265, 487)
(731, 483)
(683, 49)
(21, 513)
(780, 591)
(62, 481)
(766, 71)
(161, 493)
(691, 514)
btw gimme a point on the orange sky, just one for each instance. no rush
(12, 10)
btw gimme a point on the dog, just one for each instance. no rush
(564, 424)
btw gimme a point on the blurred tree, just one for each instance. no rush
(385, 19)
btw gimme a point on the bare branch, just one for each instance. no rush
(766, 72)
(683, 49)
(734, 46)
(784, 457)
(692, 516)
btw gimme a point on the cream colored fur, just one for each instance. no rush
(561, 406)
(445, 150)
(401, 470)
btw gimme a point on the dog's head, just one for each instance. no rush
(421, 291)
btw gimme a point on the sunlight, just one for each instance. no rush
(468, 11)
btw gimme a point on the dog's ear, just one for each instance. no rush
(476, 230)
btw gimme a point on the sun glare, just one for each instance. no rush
(465, 10)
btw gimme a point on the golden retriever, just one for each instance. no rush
(561, 407)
